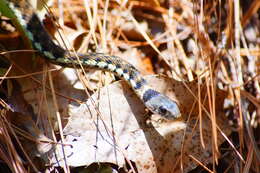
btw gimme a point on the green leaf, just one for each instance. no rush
(8, 12)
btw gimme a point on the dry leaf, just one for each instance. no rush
(121, 131)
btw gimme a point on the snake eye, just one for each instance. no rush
(162, 110)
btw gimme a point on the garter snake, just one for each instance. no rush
(29, 23)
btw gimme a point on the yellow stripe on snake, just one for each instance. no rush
(34, 30)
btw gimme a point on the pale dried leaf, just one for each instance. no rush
(153, 148)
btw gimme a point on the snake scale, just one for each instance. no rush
(34, 31)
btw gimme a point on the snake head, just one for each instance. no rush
(161, 104)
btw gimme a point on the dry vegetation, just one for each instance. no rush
(216, 44)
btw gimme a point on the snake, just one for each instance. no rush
(25, 17)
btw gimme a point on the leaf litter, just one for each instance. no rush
(186, 35)
(117, 128)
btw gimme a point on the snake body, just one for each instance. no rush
(35, 32)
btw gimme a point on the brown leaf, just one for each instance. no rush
(121, 131)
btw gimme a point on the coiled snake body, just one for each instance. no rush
(33, 29)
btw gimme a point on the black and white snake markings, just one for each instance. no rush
(35, 32)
